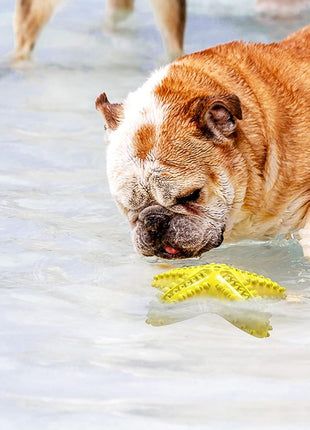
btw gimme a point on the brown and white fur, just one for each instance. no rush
(216, 143)
(31, 16)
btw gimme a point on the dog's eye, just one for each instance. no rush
(192, 197)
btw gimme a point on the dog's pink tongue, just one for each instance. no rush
(171, 250)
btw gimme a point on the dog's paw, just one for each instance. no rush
(305, 241)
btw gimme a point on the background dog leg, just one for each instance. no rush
(29, 18)
(117, 10)
(171, 16)
(281, 8)
(304, 234)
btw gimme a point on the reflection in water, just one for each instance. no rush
(248, 316)
(251, 316)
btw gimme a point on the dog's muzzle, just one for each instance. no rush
(155, 223)
(163, 233)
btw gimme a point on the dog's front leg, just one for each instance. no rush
(29, 18)
(117, 10)
(304, 234)
(171, 16)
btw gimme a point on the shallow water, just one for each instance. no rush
(76, 351)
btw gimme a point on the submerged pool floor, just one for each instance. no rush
(76, 352)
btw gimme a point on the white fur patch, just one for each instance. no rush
(141, 107)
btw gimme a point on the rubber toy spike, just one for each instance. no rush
(215, 280)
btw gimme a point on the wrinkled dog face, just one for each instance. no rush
(172, 216)
(169, 168)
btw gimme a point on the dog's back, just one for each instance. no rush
(298, 42)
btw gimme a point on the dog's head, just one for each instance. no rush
(173, 165)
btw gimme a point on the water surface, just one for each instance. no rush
(76, 351)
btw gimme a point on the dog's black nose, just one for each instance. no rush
(156, 224)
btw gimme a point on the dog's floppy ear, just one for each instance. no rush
(218, 115)
(112, 112)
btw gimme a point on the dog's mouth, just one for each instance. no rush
(167, 254)
(158, 233)
(170, 253)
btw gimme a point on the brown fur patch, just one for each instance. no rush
(144, 140)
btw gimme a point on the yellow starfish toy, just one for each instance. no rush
(218, 281)
(215, 280)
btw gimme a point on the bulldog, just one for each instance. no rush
(215, 146)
